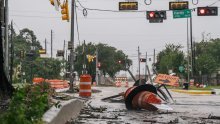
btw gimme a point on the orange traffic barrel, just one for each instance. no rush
(141, 97)
(144, 99)
(85, 85)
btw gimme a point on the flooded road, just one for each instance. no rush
(198, 109)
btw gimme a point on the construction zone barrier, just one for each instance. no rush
(85, 85)
(54, 83)
(38, 80)
(142, 97)
(118, 84)
(58, 84)
(121, 81)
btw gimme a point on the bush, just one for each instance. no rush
(27, 105)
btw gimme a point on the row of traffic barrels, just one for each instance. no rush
(84, 85)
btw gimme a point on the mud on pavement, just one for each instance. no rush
(113, 111)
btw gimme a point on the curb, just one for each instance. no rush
(69, 110)
(193, 92)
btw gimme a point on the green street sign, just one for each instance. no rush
(181, 68)
(182, 13)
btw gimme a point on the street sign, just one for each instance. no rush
(182, 13)
(181, 68)
(167, 80)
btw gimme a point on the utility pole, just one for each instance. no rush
(64, 49)
(72, 50)
(6, 88)
(192, 52)
(51, 44)
(146, 68)
(139, 66)
(188, 58)
(12, 53)
(6, 40)
(97, 69)
(154, 56)
(45, 45)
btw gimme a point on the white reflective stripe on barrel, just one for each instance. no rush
(85, 83)
(85, 90)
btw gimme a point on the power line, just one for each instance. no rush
(214, 3)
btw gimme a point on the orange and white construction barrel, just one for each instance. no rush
(85, 86)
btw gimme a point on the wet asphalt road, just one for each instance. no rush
(188, 109)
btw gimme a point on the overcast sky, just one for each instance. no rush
(123, 30)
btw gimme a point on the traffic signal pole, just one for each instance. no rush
(139, 66)
(192, 51)
(72, 50)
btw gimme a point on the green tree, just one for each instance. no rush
(170, 58)
(108, 57)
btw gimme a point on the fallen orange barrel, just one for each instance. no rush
(142, 97)
(85, 85)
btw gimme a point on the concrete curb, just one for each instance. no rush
(69, 109)
(197, 92)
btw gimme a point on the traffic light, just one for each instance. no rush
(52, 2)
(65, 10)
(178, 5)
(99, 64)
(156, 15)
(128, 5)
(42, 51)
(207, 11)
(60, 53)
(22, 54)
(121, 61)
(142, 60)
(70, 46)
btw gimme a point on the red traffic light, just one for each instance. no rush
(151, 14)
(142, 60)
(156, 15)
(207, 11)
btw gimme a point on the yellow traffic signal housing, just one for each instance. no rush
(128, 5)
(179, 5)
(22, 54)
(52, 2)
(65, 11)
(43, 51)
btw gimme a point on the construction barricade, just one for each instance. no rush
(57, 84)
(85, 86)
(38, 80)
(121, 81)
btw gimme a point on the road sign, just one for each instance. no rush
(182, 13)
(181, 68)
(167, 80)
